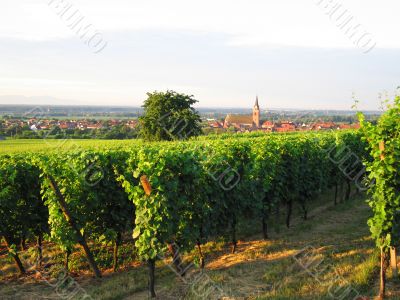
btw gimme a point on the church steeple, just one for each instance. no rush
(256, 104)
(256, 114)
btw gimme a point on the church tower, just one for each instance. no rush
(256, 114)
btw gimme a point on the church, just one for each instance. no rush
(244, 122)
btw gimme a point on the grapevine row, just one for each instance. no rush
(197, 191)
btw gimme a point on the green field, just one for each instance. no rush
(10, 146)
(19, 146)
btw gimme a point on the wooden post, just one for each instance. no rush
(72, 223)
(176, 259)
(234, 240)
(15, 256)
(66, 260)
(341, 190)
(146, 184)
(382, 276)
(265, 227)
(289, 212)
(382, 149)
(348, 191)
(23, 242)
(202, 262)
(115, 254)
(151, 265)
(304, 206)
(40, 250)
(336, 193)
(393, 261)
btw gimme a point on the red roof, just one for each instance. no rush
(267, 124)
(215, 124)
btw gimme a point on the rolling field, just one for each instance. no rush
(21, 146)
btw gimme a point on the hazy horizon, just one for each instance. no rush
(196, 106)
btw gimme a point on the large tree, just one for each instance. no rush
(169, 116)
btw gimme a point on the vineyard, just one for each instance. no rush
(41, 145)
(170, 197)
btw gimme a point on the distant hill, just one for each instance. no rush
(36, 100)
(17, 105)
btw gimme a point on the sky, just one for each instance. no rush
(291, 53)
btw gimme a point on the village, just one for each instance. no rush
(246, 123)
(280, 126)
(54, 128)
(47, 124)
(233, 122)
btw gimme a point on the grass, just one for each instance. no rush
(338, 249)
(338, 254)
